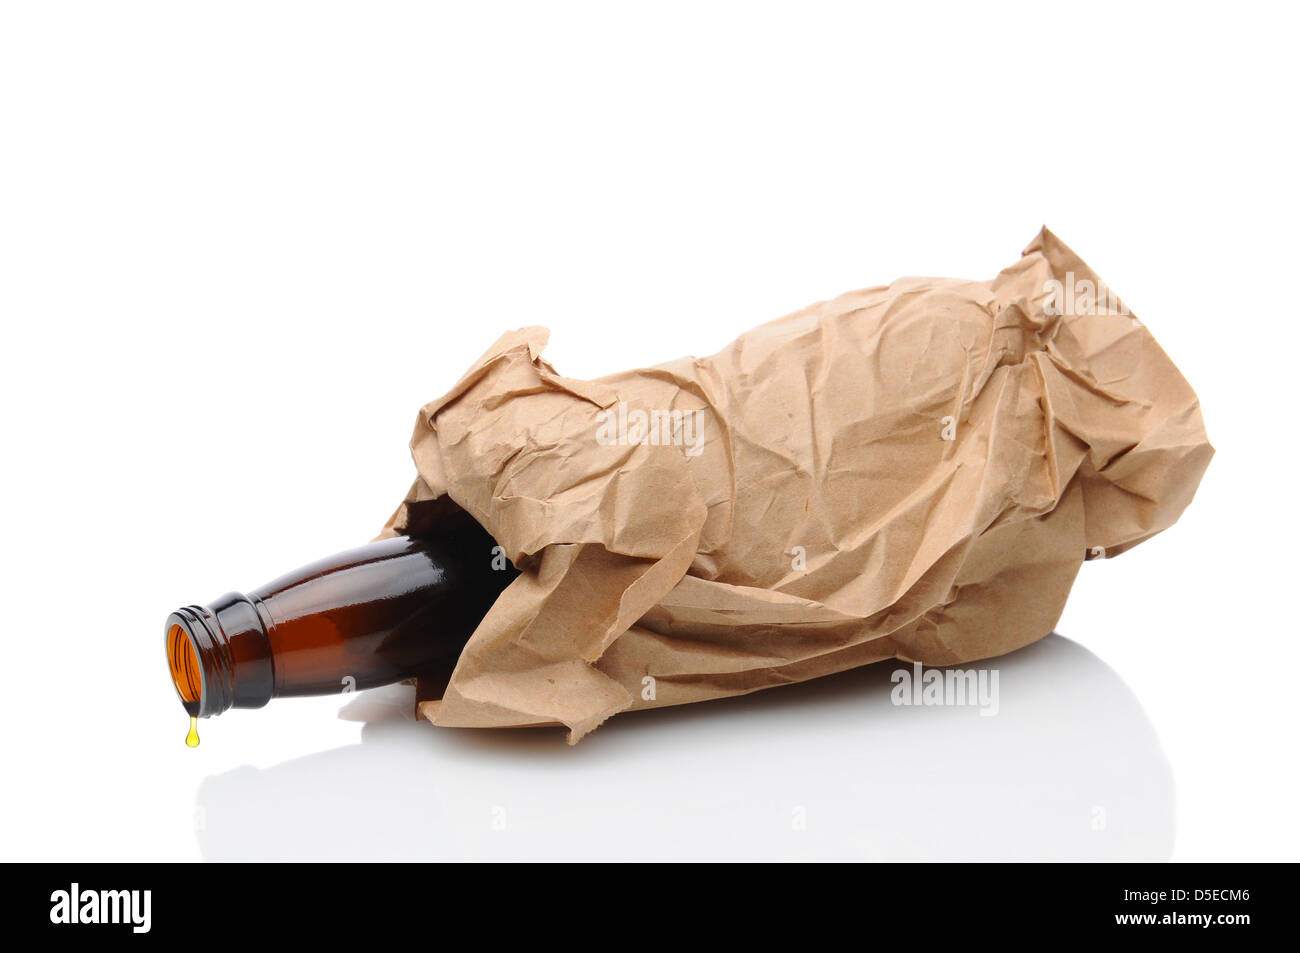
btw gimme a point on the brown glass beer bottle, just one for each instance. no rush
(370, 616)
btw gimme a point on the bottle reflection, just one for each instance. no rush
(1068, 768)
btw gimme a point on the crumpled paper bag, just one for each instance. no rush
(914, 471)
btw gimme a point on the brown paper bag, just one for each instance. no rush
(911, 472)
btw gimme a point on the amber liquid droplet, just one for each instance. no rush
(192, 739)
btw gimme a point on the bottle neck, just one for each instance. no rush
(392, 609)
(220, 656)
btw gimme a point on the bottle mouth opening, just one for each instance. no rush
(183, 661)
(219, 656)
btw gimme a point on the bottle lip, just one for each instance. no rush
(230, 644)
(208, 645)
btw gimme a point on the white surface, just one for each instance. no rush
(241, 244)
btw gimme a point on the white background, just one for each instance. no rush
(242, 243)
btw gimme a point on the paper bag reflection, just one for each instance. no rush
(1068, 768)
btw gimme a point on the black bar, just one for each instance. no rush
(338, 902)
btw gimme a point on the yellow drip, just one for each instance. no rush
(192, 739)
